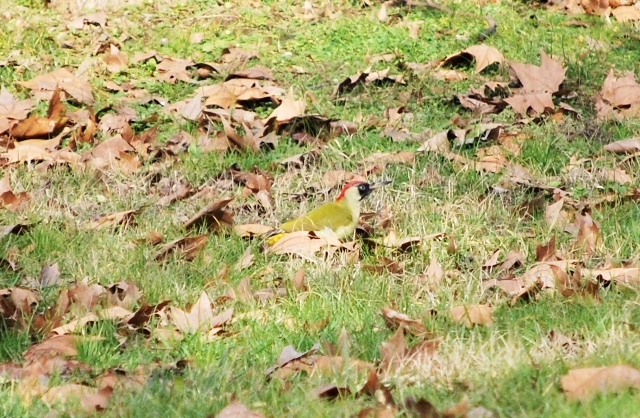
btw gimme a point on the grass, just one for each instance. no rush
(510, 368)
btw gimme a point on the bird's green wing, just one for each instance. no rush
(330, 215)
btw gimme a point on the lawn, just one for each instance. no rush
(496, 268)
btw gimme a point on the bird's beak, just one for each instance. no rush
(379, 184)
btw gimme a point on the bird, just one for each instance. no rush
(337, 219)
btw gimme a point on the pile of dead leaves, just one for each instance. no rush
(64, 326)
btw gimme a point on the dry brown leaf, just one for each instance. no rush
(624, 275)
(115, 153)
(618, 175)
(11, 110)
(483, 55)
(245, 261)
(49, 275)
(298, 280)
(201, 318)
(618, 97)
(473, 315)
(626, 13)
(544, 78)
(172, 70)
(10, 200)
(624, 146)
(17, 300)
(115, 312)
(33, 127)
(257, 72)
(306, 244)
(396, 319)
(393, 351)
(237, 410)
(114, 219)
(247, 142)
(492, 261)
(556, 216)
(214, 217)
(438, 143)
(187, 246)
(538, 102)
(116, 61)
(46, 84)
(435, 273)
(251, 230)
(588, 234)
(583, 384)
(287, 111)
(290, 354)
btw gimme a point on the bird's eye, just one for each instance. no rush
(362, 187)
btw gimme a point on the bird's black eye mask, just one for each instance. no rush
(365, 190)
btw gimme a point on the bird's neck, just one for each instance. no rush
(353, 204)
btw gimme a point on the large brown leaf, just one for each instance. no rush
(544, 78)
(79, 89)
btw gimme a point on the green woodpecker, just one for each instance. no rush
(335, 219)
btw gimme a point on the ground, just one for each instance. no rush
(456, 207)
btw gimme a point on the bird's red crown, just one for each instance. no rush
(347, 187)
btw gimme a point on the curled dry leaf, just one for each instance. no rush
(116, 61)
(588, 234)
(114, 219)
(11, 110)
(622, 275)
(290, 354)
(187, 246)
(298, 280)
(17, 300)
(396, 319)
(618, 97)
(10, 200)
(483, 55)
(473, 315)
(583, 384)
(214, 216)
